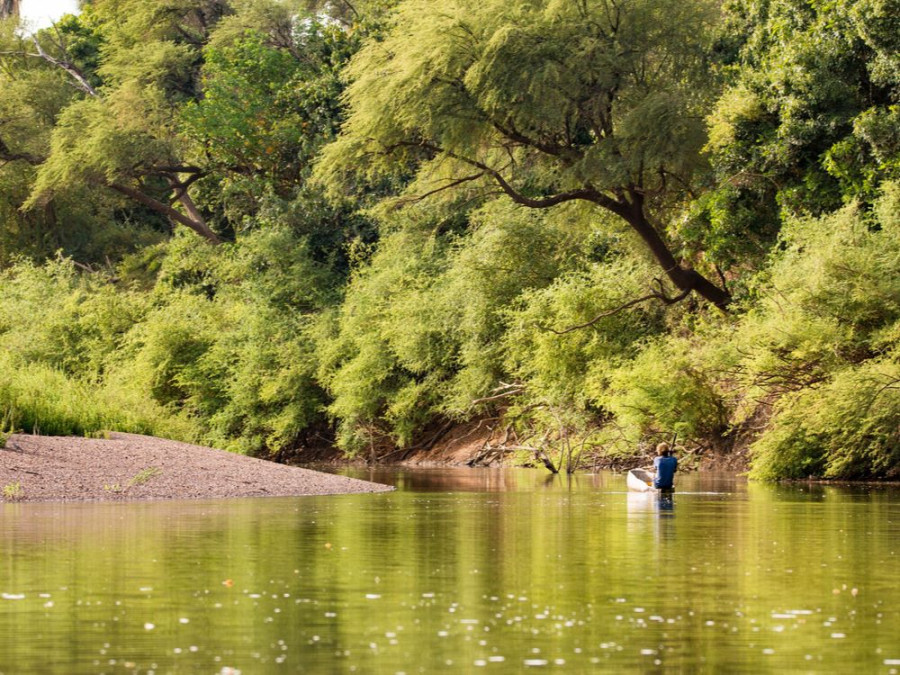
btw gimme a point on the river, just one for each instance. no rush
(460, 570)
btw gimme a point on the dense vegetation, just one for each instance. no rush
(268, 225)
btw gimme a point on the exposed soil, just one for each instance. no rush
(131, 467)
(487, 442)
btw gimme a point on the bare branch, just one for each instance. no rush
(654, 295)
(67, 66)
(497, 397)
(449, 186)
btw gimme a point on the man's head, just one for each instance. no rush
(663, 450)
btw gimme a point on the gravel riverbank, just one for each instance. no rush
(132, 467)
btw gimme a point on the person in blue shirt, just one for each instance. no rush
(665, 465)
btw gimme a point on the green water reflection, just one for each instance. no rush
(459, 571)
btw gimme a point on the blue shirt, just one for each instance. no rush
(665, 472)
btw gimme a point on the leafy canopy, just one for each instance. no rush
(541, 98)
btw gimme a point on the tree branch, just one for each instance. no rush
(511, 390)
(654, 295)
(67, 66)
(199, 226)
(7, 155)
(448, 186)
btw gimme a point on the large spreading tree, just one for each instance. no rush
(597, 101)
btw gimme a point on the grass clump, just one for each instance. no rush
(13, 491)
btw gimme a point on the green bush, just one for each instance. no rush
(666, 390)
(822, 345)
(573, 367)
(420, 332)
(848, 428)
(37, 398)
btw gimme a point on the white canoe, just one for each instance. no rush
(640, 480)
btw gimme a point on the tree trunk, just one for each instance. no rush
(9, 8)
(684, 278)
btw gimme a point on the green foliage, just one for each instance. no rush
(227, 343)
(81, 223)
(271, 99)
(665, 390)
(68, 321)
(384, 271)
(847, 428)
(809, 121)
(483, 74)
(13, 491)
(833, 323)
(572, 368)
(59, 331)
(217, 351)
(420, 331)
(40, 399)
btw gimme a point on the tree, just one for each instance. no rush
(204, 104)
(810, 119)
(120, 128)
(544, 102)
(86, 223)
(9, 8)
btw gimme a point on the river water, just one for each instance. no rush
(459, 571)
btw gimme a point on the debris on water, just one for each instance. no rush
(149, 626)
(13, 596)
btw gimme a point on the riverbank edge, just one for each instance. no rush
(481, 444)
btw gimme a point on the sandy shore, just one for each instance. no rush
(131, 467)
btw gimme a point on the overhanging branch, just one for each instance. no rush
(654, 295)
